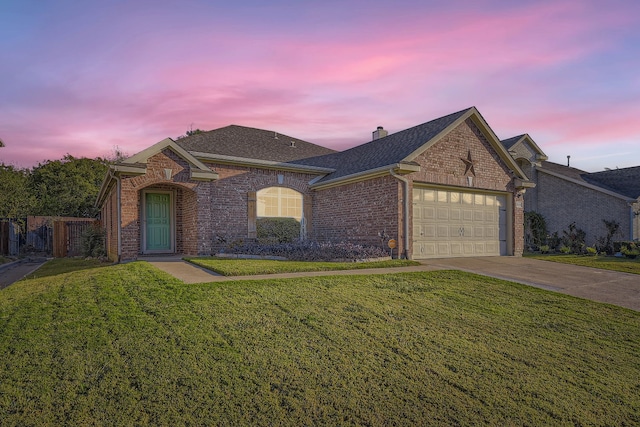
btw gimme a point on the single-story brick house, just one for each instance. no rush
(564, 194)
(444, 188)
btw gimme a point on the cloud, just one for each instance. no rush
(81, 80)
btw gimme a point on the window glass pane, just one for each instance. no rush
(491, 200)
(279, 202)
(429, 195)
(442, 196)
(479, 199)
(455, 197)
(467, 198)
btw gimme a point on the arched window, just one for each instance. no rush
(279, 202)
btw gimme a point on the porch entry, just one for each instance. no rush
(159, 224)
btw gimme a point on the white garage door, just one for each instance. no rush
(450, 223)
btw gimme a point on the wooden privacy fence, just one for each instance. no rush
(9, 237)
(67, 236)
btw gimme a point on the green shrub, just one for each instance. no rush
(544, 249)
(591, 251)
(93, 242)
(535, 229)
(617, 246)
(574, 238)
(630, 251)
(277, 230)
(605, 243)
(565, 249)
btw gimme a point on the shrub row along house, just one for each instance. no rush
(444, 188)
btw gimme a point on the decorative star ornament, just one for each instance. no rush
(469, 164)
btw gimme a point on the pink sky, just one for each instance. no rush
(83, 77)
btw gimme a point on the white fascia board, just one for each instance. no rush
(129, 170)
(269, 164)
(400, 168)
(143, 156)
(586, 185)
(204, 176)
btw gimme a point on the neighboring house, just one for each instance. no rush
(564, 195)
(444, 188)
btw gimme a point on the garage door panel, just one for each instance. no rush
(455, 214)
(456, 223)
(456, 248)
(429, 212)
(429, 231)
(443, 213)
(444, 249)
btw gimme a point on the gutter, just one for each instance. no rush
(406, 211)
(367, 174)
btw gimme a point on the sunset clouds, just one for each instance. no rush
(83, 77)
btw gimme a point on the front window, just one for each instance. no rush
(279, 202)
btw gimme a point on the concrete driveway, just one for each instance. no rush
(612, 287)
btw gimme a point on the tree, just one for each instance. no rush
(1, 143)
(67, 187)
(15, 198)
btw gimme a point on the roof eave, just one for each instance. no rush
(402, 168)
(266, 164)
(587, 185)
(477, 118)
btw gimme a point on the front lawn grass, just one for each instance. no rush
(130, 345)
(57, 266)
(624, 265)
(249, 267)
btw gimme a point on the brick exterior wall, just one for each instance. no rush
(565, 202)
(358, 212)
(207, 214)
(229, 199)
(185, 193)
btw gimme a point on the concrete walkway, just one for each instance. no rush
(622, 289)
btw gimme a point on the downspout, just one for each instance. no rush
(632, 216)
(406, 211)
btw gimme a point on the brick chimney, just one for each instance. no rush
(379, 133)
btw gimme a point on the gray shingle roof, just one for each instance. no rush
(509, 142)
(567, 171)
(381, 152)
(251, 143)
(625, 181)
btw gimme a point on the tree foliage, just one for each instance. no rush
(65, 187)
(15, 199)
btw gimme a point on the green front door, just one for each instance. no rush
(158, 230)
